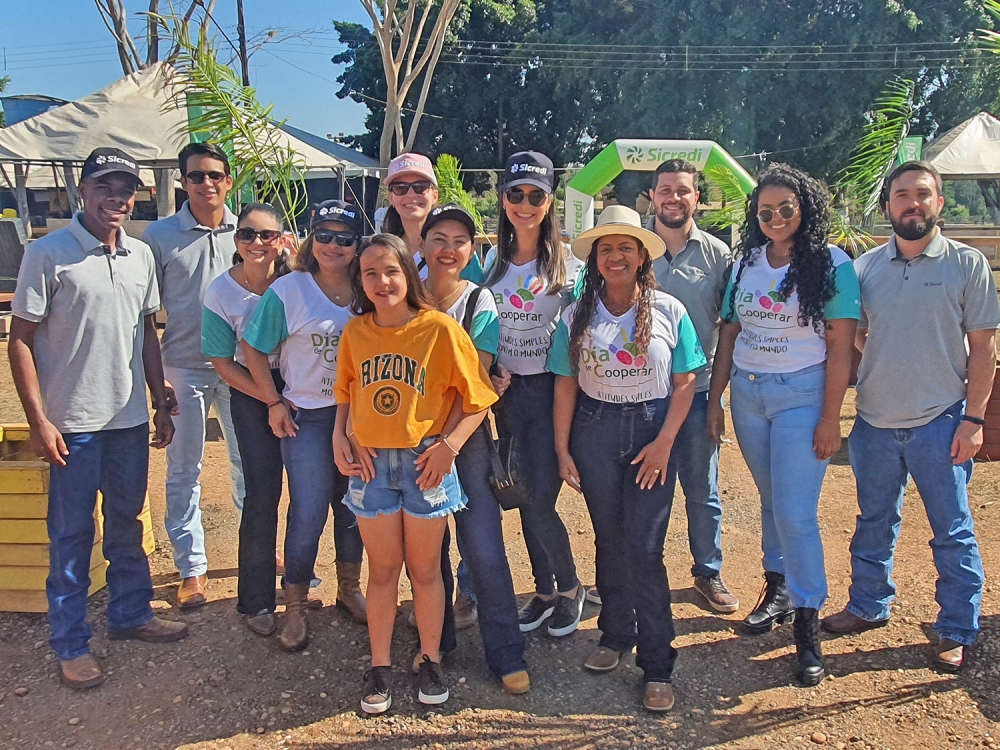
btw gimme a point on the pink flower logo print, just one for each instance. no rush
(523, 298)
(772, 301)
(629, 353)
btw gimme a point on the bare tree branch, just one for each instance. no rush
(153, 33)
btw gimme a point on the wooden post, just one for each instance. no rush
(21, 190)
(165, 203)
(72, 192)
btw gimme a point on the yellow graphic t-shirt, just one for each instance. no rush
(402, 382)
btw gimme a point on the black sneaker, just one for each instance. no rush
(568, 612)
(431, 688)
(534, 613)
(377, 695)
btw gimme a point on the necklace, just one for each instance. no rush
(442, 304)
(246, 281)
(615, 311)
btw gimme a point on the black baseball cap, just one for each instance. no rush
(529, 168)
(340, 211)
(449, 212)
(104, 161)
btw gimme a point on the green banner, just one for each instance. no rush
(911, 149)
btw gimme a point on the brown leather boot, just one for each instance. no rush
(349, 596)
(295, 627)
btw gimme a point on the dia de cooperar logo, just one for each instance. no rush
(634, 154)
(386, 400)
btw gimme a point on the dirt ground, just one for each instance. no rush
(224, 687)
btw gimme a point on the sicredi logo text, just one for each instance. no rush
(517, 168)
(114, 160)
(637, 154)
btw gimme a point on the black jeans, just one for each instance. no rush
(630, 526)
(260, 452)
(525, 412)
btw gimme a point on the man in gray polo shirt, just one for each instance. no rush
(191, 249)
(929, 316)
(694, 270)
(82, 340)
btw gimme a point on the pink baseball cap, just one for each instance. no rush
(411, 165)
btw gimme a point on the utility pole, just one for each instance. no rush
(241, 30)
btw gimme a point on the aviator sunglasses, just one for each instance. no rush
(535, 197)
(249, 234)
(766, 215)
(325, 237)
(198, 177)
(402, 188)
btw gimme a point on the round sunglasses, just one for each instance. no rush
(249, 234)
(535, 197)
(198, 177)
(766, 215)
(326, 236)
(402, 188)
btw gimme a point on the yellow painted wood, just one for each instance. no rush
(15, 431)
(24, 477)
(20, 531)
(20, 600)
(33, 579)
(37, 555)
(24, 506)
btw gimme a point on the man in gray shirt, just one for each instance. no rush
(82, 340)
(694, 270)
(929, 316)
(191, 249)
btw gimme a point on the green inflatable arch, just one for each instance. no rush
(641, 156)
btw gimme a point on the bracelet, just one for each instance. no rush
(444, 439)
(974, 420)
(274, 403)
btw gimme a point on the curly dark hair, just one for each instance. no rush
(810, 272)
(593, 289)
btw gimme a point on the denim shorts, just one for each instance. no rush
(394, 487)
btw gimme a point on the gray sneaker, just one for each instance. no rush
(716, 594)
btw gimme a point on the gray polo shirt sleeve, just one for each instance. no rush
(152, 302)
(34, 280)
(982, 306)
(149, 237)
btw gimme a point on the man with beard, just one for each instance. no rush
(929, 316)
(694, 270)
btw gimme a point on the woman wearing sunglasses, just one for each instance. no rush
(532, 276)
(413, 193)
(304, 313)
(229, 303)
(789, 315)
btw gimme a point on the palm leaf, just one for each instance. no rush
(725, 188)
(989, 40)
(860, 183)
(451, 190)
(851, 238)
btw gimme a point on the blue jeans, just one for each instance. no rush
(197, 391)
(480, 537)
(775, 418)
(314, 485)
(116, 463)
(525, 411)
(695, 461)
(883, 461)
(260, 451)
(630, 525)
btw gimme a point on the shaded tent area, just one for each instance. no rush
(143, 114)
(971, 151)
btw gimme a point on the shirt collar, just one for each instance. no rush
(187, 221)
(935, 248)
(697, 236)
(89, 243)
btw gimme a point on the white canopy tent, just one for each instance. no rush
(970, 151)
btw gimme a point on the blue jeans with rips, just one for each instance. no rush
(883, 461)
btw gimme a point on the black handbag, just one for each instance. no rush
(505, 472)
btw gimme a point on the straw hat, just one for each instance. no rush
(618, 220)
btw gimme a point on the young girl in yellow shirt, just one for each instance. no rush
(412, 388)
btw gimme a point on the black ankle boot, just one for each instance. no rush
(773, 606)
(811, 670)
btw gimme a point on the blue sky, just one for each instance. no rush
(61, 48)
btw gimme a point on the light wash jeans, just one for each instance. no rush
(197, 391)
(883, 461)
(775, 417)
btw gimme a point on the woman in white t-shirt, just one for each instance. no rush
(304, 314)
(230, 300)
(533, 277)
(789, 314)
(625, 357)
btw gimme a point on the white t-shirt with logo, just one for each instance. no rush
(297, 314)
(528, 315)
(227, 311)
(771, 339)
(612, 368)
